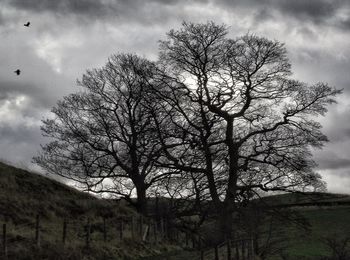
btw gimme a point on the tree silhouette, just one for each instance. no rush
(214, 119)
(103, 136)
(250, 124)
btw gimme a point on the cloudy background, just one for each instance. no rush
(67, 37)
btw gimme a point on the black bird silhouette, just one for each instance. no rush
(17, 72)
(27, 24)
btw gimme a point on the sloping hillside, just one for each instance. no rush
(307, 199)
(25, 195)
(328, 215)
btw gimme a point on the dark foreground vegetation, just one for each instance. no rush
(311, 226)
(25, 195)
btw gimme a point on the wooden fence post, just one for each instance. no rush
(149, 224)
(37, 230)
(121, 227)
(88, 230)
(155, 232)
(237, 250)
(170, 230)
(104, 230)
(64, 233)
(157, 206)
(141, 226)
(145, 233)
(255, 245)
(133, 227)
(4, 240)
(228, 249)
(243, 250)
(201, 249)
(249, 249)
(162, 229)
(216, 251)
(165, 228)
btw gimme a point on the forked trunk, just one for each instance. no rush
(141, 203)
(226, 219)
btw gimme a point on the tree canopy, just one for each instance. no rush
(214, 118)
(103, 136)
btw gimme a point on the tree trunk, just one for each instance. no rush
(141, 203)
(231, 190)
(226, 221)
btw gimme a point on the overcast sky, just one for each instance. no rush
(67, 37)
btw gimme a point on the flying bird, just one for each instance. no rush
(17, 72)
(27, 24)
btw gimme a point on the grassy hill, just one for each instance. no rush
(307, 199)
(328, 216)
(24, 195)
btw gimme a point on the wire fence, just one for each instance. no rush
(86, 232)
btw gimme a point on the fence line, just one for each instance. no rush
(242, 249)
(112, 230)
(86, 232)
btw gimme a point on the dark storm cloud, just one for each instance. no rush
(39, 96)
(320, 12)
(21, 134)
(332, 161)
(329, 65)
(338, 131)
(19, 143)
(86, 7)
(262, 14)
(12, 87)
(124, 10)
(345, 24)
(315, 10)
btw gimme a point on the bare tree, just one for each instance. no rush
(246, 124)
(103, 136)
(224, 114)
